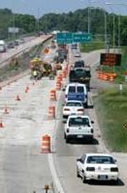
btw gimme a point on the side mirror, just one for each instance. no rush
(79, 160)
(115, 160)
(92, 122)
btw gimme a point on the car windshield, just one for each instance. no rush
(79, 121)
(74, 104)
(100, 160)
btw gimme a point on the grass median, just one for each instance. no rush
(111, 108)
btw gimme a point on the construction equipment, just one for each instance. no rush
(39, 68)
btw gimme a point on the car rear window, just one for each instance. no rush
(100, 160)
(80, 89)
(72, 89)
(79, 121)
(74, 104)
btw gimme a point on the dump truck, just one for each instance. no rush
(81, 75)
(39, 68)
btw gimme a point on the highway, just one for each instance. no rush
(25, 47)
(23, 166)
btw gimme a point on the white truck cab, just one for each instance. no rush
(78, 127)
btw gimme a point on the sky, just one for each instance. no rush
(41, 7)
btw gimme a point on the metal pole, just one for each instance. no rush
(119, 31)
(106, 35)
(89, 21)
(114, 33)
(14, 25)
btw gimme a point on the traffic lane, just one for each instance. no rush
(23, 169)
(66, 155)
(65, 161)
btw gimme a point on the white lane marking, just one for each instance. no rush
(54, 174)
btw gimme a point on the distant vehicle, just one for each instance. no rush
(76, 91)
(16, 42)
(79, 63)
(73, 107)
(78, 127)
(77, 54)
(81, 75)
(73, 46)
(101, 167)
(2, 46)
(10, 45)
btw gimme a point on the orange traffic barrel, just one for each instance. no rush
(64, 73)
(45, 144)
(111, 78)
(105, 76)
(58, 85)
(51, 112)
(52, 94)
(59, 78)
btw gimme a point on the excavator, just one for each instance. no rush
(39, 68)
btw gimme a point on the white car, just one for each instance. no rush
(73, 107)
(97, 167)
(78, 127)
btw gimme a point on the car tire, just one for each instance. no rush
(67, 140)
(115, 182)
(78, 173)
(83, 179)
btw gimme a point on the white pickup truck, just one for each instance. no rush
(78, 127)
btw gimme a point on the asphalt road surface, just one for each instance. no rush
(66, 154)
(23, 166)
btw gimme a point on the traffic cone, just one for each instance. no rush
(18, 98)
(6, 111)
(27, 89)
(1, 124)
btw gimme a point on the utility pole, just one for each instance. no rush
(89, 20)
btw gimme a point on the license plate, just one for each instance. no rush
(102, 177)
(80, 136)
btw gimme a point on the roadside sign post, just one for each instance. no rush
(120, 87)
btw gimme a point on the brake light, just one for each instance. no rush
(91, 169)
(80, 110)
(66, 109)
(114, 169)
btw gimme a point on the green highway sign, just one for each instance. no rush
(68, 38)
(64, 38)
(86, 37)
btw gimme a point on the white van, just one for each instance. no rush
(2, 46)
(76, 91)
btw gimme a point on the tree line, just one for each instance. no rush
(76, 21)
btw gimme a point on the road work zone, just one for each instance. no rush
(25, 124)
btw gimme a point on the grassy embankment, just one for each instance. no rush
(111, 106)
